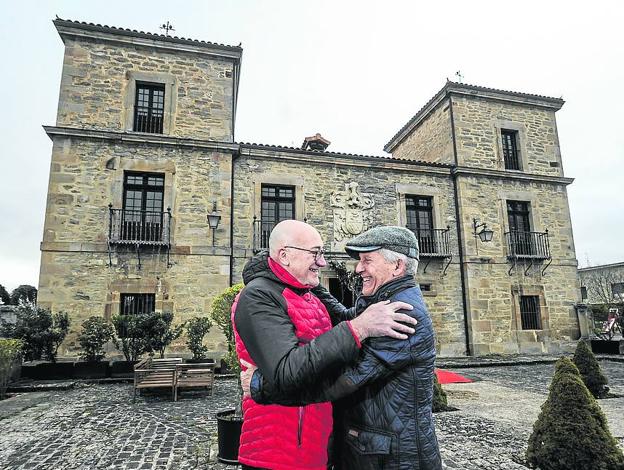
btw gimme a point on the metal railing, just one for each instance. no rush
(261, 232)
(534, 245)
(433, 242)
(148, 119)
(139, 227)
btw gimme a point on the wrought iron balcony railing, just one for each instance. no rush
(529, 245)
(261, 232)
(139, 227)
(433, 243)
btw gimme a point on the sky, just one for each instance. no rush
(355, 71)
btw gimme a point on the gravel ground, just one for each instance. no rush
(98, 425)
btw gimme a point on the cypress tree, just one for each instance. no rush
(571, 431)
(440, 402)
(590, 370)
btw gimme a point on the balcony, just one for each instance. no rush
(261, 232)
(136, 227)
(433, 243)
(528, 245)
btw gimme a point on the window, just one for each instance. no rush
(530, 312)
(149, 108)
(519, 227)
(509, 141)
(583, 292)
(143, 207)
(419, 211)
(617, 289)
(278, 203)
(134, 304)
(425, 287)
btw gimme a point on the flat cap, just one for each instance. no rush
(398, 239)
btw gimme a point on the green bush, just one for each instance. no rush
(96, 332)
(160, 332)
(196, 329)
(590, 370)
(10, 350)
(220, 313)
(40, 331)
(145, 333)
(571, 431)
(5, 298)
(440, 402)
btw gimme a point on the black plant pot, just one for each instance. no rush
(199, 361)
(605, 347)
(122, 369)
(54, 371)
(91, 370)
(229, 431)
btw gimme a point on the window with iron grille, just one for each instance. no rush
(509, 140)
(419, 212)
(135, 304)
(143, 206)
(530, 312)
(520, 227)
(583, 292)
(149, 108)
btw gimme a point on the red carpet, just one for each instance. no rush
(448, 377)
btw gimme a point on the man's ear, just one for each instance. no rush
(282, 257)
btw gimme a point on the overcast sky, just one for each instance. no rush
(355, 71)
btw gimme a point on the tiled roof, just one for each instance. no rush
(464, 87)
(342, 154)
(133, 32)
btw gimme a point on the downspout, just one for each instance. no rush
(235, 155)
(458, 227)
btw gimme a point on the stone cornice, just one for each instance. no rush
(68, 28)
(283, 154)
(514, 176)
(140, 138)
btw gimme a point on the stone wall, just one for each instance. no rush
(98, 88)
(431, 141)
(86, 175)
(478, 124)
(315, 182)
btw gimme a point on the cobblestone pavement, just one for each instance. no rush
(98, 426)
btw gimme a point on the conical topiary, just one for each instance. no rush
(440, 402)
(571, 431)
(590, 370)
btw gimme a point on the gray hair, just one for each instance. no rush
(411, 264)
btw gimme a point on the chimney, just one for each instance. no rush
(316, 142)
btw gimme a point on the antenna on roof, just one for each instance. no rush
(460, 77)
(167, 27)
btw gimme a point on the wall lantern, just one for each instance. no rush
(213, 220)
(485, 234)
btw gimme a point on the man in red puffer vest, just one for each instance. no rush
(279, 325)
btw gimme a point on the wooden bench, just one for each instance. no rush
(156, 373)
(194, 376)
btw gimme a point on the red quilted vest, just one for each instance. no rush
(283, 437)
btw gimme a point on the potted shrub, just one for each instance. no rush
(10, 352)
(41, 333)
(96, 332)
(130, 340)
(230, 421)
(196, 329)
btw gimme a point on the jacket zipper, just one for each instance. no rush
(300, 426)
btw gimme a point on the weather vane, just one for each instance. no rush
(460, 77)
(167, 27)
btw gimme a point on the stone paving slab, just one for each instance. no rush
(97, 426)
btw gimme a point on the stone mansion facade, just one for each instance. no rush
(144, 164)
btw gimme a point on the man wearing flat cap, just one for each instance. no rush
(382, 402)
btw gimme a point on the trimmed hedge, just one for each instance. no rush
(571, 431)
(590, 370)
(440, 401)
(10, 350)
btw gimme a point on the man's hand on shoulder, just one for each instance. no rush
(383, 319)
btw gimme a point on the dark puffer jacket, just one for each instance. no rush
(280, 326)
(385, 420)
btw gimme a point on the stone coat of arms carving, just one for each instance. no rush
(351, 211)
